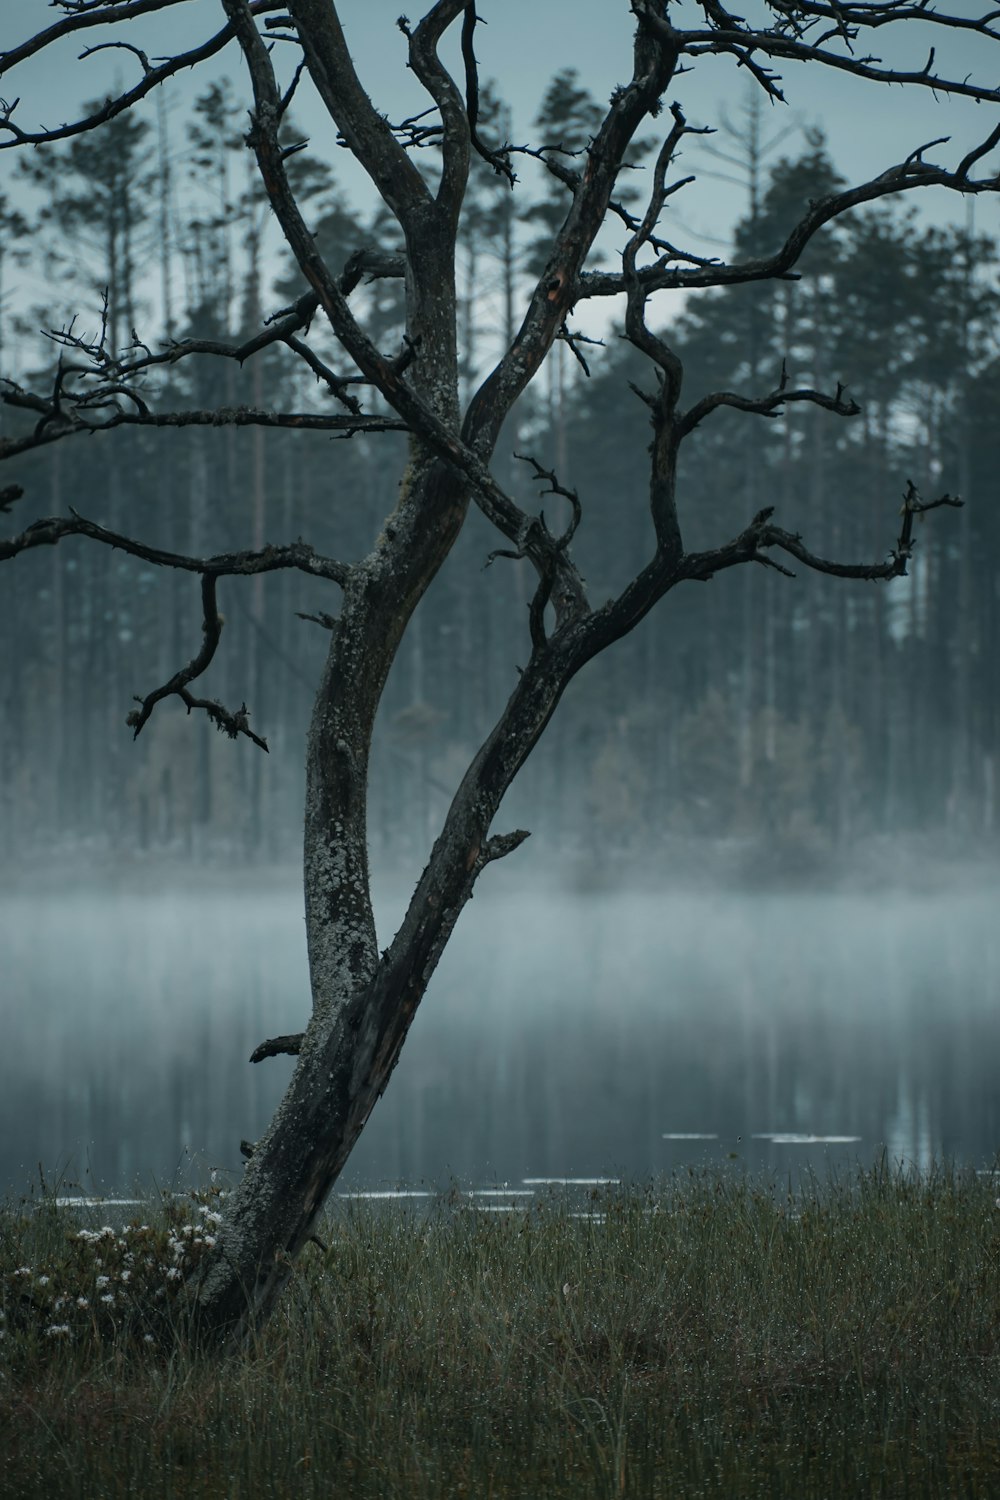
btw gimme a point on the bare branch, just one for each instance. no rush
(144, 61)
(385, 374)
(114, 105)
(663, 406)
(499, 846)
(427, 65)
(761, 534)
(365, 263)
(336, 384)
(328, 622)
(232, 724)
(594, 633)
(47, 533)
(655, 59)
(331, 69)
(574, 340)
(787, 42)
(112, 375)
(767, 406)
(550, 156)
(498, 160)
(278, 1046)
(969, 160)
(237, 416)
(912, 173)
(268, 559)
(873, 16)
(555, 488)
(101, 14)
(548, 554)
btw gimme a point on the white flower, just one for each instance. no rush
(211, 1217)
(23, 1271)
(103, 1280)
(147, 1338)
(43, 1281)
(108, 1297)
(82, 1302)
(126, 1275)
(57, 1330)
(173, 1274)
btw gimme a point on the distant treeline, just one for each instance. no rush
(806, 712)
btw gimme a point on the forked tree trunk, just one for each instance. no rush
(363, 1002)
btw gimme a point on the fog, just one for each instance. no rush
(606, 1032)
(810, 988)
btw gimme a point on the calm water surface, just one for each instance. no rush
(564, 1035)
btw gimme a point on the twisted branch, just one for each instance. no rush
(912, 173)
(112, 106)
(761, 534)
(232, 724)
(767, 406)
(47, 533)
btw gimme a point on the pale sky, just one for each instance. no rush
(869, 126)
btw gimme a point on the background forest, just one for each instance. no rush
(792, 717)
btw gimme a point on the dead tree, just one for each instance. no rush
(363, 1000)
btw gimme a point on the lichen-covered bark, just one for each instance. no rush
(293, 1165)
(362, 1002)
(355, 1036)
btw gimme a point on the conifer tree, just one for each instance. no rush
(364, 998)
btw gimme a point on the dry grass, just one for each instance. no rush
(704, 1336)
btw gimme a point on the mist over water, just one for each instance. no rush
(564, 1034)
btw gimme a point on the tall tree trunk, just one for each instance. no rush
(362, 1006)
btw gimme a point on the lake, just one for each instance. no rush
(564, 1034)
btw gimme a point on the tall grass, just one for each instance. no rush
(703, 1336)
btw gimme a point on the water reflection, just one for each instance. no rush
(565, 1036)
(802, 1138)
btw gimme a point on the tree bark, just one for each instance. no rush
(363, 1002)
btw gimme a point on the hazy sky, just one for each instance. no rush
(523, 42)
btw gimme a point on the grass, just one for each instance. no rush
(704, 1336)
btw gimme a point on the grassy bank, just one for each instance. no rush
(701, 1337)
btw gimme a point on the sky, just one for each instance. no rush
(521, 44)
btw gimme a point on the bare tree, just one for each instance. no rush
(364, 1001)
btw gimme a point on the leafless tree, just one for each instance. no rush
(363, 1000)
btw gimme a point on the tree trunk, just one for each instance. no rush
(363, 1002)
